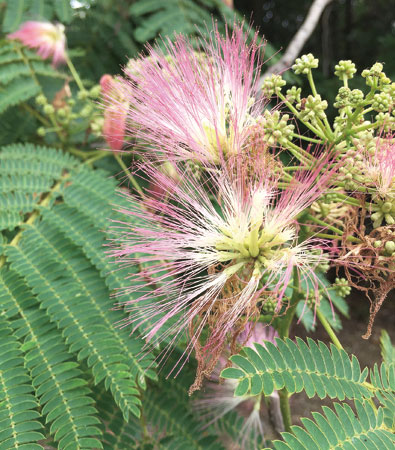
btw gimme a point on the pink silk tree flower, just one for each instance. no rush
(114, 117)
(48, 39)
(213, 250)
(380, 166)
(376, 172)
(192, 105)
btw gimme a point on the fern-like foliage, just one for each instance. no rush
(296, 367)
(55, 299)
(18, 413)
(340, 429)
(19, 69)
(17, 11)
(26, 173)
(323, 371)
(63, 395)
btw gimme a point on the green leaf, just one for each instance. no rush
(387, 349)
(340, 430)
(13, 15)
(305, 370)
(63, 10)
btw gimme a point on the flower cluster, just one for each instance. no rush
(219, 243)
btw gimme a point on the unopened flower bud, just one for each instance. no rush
(41, 131)
(95, 91)
(382, 102)
(293, 94)
(312, 108)
(345, 69)
(272, 85)
(82, 95)
(341, 287)
(305, 63)
(41, 99)
(48, 109)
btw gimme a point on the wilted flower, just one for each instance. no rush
(194, 105)
(218, 398)
(211, 250)
(114, 117)
(48, 39)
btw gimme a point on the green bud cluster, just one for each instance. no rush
(293, 94)
(304, 64)
(345, 69)
(382, 102)
(388, 249)
(95, 91)
(276, 128)
(48, 109)
(311, 108)
(375, 76)
(385, 121)
(348, 97)
(41, 100)
(383, 210)
(269, 305)
(343, 98)
(341, 287)
(351, 173)
(272, 85)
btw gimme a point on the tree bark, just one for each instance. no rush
(299, 40)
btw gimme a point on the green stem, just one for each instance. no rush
(328, 329)
(324, 224)
(85, 154)
(364, 127)
(44, 202)
(297, 115)
(74, 73)
(347, 199)
(33, 75)
(128, 174)
(299, 153)
(292, 168)
(283, 331)
(327, 128)
(36, 114)
(316, 141)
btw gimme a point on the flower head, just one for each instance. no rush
(47, 38)
(212, 250)
(194, 105)
(380, 166)
(114, 117)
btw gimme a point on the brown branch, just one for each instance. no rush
(299, 40)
